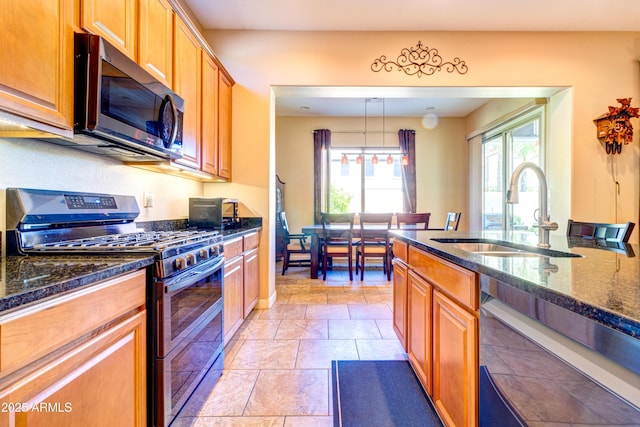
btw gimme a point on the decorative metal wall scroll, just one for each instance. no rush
(419, 61)
(614, 128)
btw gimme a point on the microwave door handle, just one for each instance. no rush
(174, 118)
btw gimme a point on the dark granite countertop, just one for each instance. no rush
(603, 284)
(26, 279)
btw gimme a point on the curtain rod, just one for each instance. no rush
(360, 132)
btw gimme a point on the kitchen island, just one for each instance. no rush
(448, 296)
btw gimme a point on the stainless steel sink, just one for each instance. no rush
(488, 247)
(492, 249)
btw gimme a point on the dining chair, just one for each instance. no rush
(414, 221)
(452, 222)
(337, 239)
(374, 241)
(600, 231)
(293, 244)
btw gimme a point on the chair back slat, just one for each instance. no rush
(453, 220)
(415, 221)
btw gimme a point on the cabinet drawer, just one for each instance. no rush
(251, 240)
(456, 281)
(400, 250)
(232, 248)
(29, 334)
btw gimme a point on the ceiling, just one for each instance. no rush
(410, 15)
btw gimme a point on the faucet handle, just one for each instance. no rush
(547, 226)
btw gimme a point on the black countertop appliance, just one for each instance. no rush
(214, 213)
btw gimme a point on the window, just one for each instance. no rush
(503, 149)
(365, 187)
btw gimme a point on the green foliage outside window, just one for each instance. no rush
(339, 200)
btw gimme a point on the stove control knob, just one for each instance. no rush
(180, 263)
(213, 251)
(204, 254)
(191, 259)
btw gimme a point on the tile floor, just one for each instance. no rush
(278, 365)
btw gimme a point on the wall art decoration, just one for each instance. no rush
(419, 60)
(614, 127)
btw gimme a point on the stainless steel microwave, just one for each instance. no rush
(121, 110)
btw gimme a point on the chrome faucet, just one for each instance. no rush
(544, 223)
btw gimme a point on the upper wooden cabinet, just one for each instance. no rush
(209, 115)
(224, 126)
(155, 39)
(186, 83)
(36, 61)
(115, 20)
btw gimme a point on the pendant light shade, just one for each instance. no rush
(345, 159)
(359, 159)
(374, 160)
(389, 159)
(405, 160)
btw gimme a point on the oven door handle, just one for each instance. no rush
(196, 274)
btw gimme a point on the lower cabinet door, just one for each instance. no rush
(233, 297)
(100, 383)
(455, 362)
(251, 280)
(400, 301)
(419, 328)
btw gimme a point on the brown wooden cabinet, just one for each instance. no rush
(419, 331)
(79, 358)
(224, 125)
(233, 294)
(400, 296)
(242, 280)
(155, 39)
(441, 329)
(251, 272)
(210, 101)
(455, 362)
(36, 62)
(186, 83)
(115, 20)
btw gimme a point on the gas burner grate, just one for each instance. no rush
(155, 240)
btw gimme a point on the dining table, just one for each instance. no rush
(316, 232)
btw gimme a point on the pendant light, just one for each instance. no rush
(359, 159)
(374, 160)
(405, 160)
(345, 159)
(389, 159)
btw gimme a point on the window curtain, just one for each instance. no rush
(321, 143)
(407, 139)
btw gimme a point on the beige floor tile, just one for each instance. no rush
(228, 397)
(266, 354)
(353, 329)
(386, 329)
(283, 311)
(229, 422)
(380, 350)
(313, 329)
(308, 298)
(230, 351)
(370, 311)
(308, 421)
(318, 354)
(290, 392)
(329, 311)
(258, 329)
(379, 298)
(346, 298)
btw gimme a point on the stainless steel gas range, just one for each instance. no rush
(185, 304)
